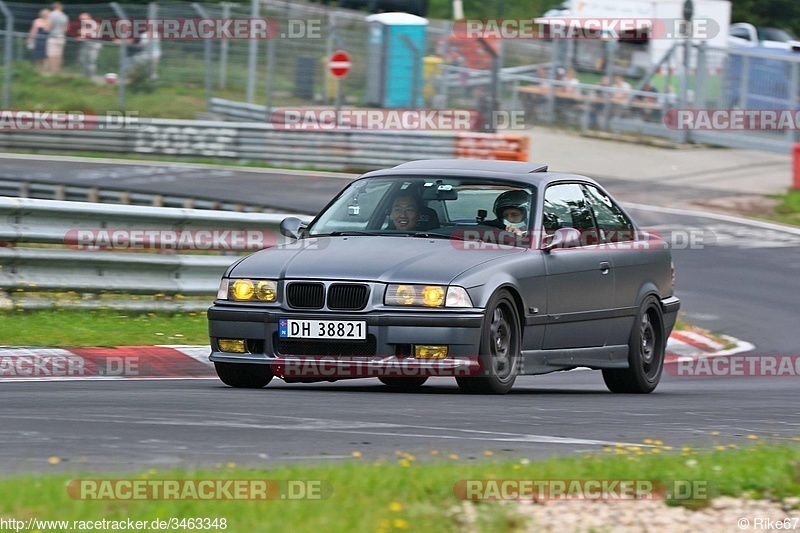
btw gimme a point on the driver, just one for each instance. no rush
(405, 212)
(512, 209)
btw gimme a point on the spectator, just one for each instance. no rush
(57, 38)
(598, 99)
(622, 89)
(151, 50)
(90, 46)
(572, 83)
(37, 40)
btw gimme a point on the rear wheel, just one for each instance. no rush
(403, 383)
(646, 350)
(499, 350)
(244, 375)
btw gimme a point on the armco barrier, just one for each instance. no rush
(329, 149)
(46, 222)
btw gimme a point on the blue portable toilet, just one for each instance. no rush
(394, 64)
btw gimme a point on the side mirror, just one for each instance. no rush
(291, 226)
(562, 238)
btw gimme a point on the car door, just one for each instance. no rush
(580, 280)
(630, 263)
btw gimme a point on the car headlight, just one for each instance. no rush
(426, 296)
(247, 290)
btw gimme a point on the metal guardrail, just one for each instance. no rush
(330, 149)
(69, 268)
(337, 150)
(22, 188)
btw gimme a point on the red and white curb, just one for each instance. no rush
(123, 362)
(690, 345)
(19, 363)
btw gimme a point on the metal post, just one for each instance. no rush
(152, 14)
(744, 82)
(794, 87)
(123, 60)
(495, 82)
(8, 55)
(700, 76)
(270, 74)
(683, 97)
(252, 63)
(329, 52)
(338, 103)
(223, 52)
(611, 57)
(207, 52)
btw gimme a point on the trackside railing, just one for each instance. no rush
(55, 246)
(328, 149)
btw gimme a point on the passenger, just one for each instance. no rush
(512, 209)
(405, 212)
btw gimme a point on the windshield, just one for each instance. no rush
(425, 205)
(774, 34)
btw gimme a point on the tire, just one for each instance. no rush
(646, 350)
(499, 355)
(403, 383)
(244, 375)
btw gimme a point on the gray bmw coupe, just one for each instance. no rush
(479, 270)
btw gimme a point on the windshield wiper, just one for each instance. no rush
(349, 233)
(426, 235)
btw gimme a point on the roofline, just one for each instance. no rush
(476, 165)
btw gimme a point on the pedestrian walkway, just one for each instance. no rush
(723, 170)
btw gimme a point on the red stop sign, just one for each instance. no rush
(339, 64)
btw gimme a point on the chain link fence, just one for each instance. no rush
(588, 85)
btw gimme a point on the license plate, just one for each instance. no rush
(289, 328)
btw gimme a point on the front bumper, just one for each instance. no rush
(391, 336)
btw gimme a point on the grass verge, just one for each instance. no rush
(408, 494)
(63, 327)
(788, 211)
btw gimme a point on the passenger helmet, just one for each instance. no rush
(518, 199)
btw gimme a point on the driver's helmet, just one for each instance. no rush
(518, 199)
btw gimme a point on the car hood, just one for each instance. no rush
(383, 259)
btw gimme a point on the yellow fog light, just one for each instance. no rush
(243, 289)
(430, 352)
(267, 291)
(231, 345)
(433, 296)
(405, 294)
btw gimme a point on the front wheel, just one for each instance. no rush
(646, 349)
(244, 375)
(499, 349)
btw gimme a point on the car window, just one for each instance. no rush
(355, 211)
(565, 206)
(774, 34)
(612, 223)
(742, 33)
